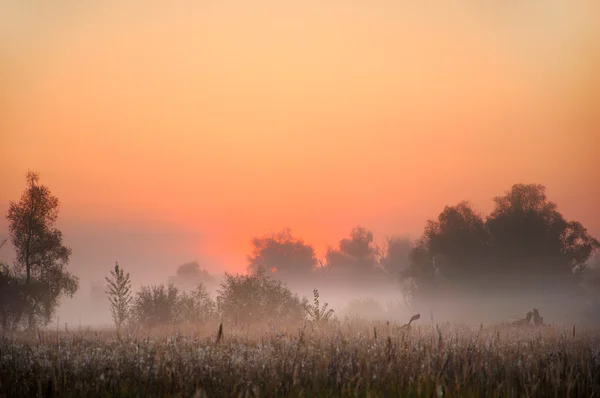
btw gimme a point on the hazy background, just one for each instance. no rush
(173, 133)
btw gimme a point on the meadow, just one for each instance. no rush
(341, 358)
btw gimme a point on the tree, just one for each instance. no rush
(257, 298)
(458, 243)
(525, 243)
(283, 255)
(189, 275)
(356, 257)
(590, 284)
(41, 254)
(530, 238)
(119, 295)
(12, 300)
(396, 255)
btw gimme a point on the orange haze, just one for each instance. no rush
(171, 133)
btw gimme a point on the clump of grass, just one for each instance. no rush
(336, 359)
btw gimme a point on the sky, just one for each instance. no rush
(173, 133)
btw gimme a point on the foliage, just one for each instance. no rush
(197, 306)
(317, 313)
(12, 298)
(334, 360)
(355, 257)
(591, 288)
(282, 254)
(529, 233)
(192, 271)
(257, 298)
(157, 305)
(119, 295)
(39, 277)
(160, 305)
(524, 243)
(396, 255)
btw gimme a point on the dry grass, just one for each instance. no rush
(339, 359)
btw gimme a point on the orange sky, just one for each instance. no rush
(173, 133)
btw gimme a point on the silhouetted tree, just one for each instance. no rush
(356, 257)
(458, 243)
(524, 243)
(12, 297)
(41, 256)
(257, 298)
(420, 279)
(591, 287)
(283, 255)
(189, 275)
(396, 255)
(530, 238)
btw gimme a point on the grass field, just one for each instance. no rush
(340, 359)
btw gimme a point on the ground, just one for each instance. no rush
(352, 358)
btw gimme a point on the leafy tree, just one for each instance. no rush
(119, 295)
(524, 243)
(356, 256)
(41, 255)
(360, 244)
(591, 287)
(283, 255)
(190, 275)
(530, 238)
(257, 298)
(192, 270)
(317, 313)
(396, 255)
(458, 243)
(12, 299)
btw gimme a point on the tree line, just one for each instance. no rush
(525, 243)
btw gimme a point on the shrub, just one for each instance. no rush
(157, 305)
(164, 305)
(197, 306)
(257, 298)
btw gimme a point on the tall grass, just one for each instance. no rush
(337, 359)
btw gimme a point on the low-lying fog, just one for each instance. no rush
(90, 307)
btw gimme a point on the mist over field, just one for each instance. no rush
(267, 198)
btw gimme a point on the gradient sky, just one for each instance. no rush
(176, 133)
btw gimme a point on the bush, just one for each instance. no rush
(163, 305)
(197, 306)
(258, 298)
(157, 305)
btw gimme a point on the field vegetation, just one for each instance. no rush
(337, 358)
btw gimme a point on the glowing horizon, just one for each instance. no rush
(210, 125)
